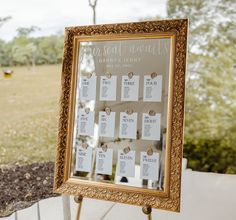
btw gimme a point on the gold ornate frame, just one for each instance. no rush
(169, 199)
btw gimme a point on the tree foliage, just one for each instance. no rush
(27, 50)
(210, 125)
(26, 31)
(4, 20)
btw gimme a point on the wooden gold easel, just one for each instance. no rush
(147, 210)
(79, 200)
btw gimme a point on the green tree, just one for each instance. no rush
(210, 96)
(24, 32)
(50, 49)
(4, 20)
(24, 49)
(3, 50)
(24, 55)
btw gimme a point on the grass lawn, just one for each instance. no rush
(29, 104)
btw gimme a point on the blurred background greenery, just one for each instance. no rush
(29, 100)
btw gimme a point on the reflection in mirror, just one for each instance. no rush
(121, 112)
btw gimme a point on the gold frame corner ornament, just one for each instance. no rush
(169, 200)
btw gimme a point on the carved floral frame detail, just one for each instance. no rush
(64, 184)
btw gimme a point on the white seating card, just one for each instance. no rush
(152, 91)
(149, 166)
(128, 125)
(126, 164)
(85, 123)
(108, 88)
(104, 161)
(130, 88)
(84, 159)
(151, 127)
(88, 88)
(106, 124)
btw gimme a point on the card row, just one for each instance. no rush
(149, 163)
(129, 88)
(151, 124)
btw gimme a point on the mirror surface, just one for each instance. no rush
(127, 81)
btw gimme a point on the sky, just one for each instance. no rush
(53, 16)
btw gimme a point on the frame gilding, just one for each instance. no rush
(169, 199)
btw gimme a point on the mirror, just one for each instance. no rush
(120, 135)
(121, 112)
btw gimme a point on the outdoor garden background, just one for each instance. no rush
(29, 100)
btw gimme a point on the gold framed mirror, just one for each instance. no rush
(122, 110)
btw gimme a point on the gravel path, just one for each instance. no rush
(21, 186)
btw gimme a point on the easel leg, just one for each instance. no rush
(79, 200)
(147, 210)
